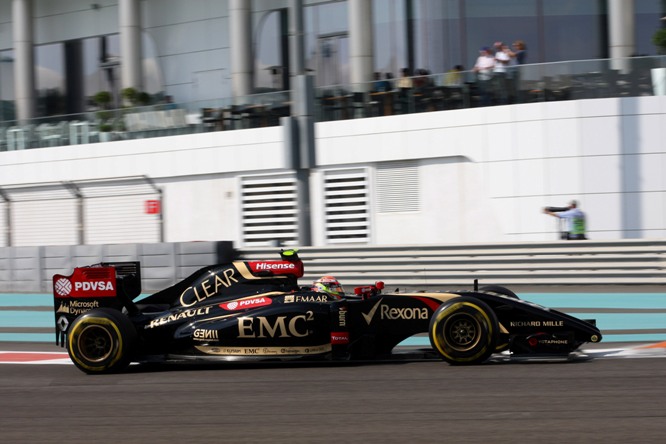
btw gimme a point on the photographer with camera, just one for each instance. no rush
(574, 217)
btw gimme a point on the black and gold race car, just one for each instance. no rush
(255, 310)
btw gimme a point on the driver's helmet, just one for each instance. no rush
(328, 285)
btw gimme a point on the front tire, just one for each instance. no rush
(101, 341)
(464, 331)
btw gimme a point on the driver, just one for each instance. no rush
(328, 285)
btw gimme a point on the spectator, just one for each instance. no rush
(168, 103)
(454, 77)
(484, 73)
(380, 85)
(421, 79)
(405, 81)
(575, 220)
(389, 79)
(519, 53)
(518, 57)
(502, 59)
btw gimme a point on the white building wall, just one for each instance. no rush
(485, 173)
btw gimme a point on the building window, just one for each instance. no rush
(50, 79)
(271, 65)
(7, 104)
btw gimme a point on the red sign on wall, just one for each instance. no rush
(152, 206)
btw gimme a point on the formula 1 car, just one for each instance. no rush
(255, 310)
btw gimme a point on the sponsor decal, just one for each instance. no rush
(406, 313)
(263, 266)
(178, 316)
(64, 287)
(279, 327)
(310, 298)
(208, 288)
(264, 351)
(62, 323)
(276, 268)
(553, 341)
(536, 324)
(342, 317)
(339, 337)
(395, 313)
(76, 307)
(246, 303)
(371, 314)
(201, 334)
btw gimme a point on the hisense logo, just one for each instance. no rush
(275, 266)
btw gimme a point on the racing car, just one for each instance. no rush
(256, 310)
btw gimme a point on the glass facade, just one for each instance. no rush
(7, 108)
(433, 35)
(68, 74)
(268, 65)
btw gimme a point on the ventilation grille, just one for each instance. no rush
(347, 206)
(269, 210)
(398, 187)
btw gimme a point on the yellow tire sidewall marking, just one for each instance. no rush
(452, 308)
(73, 335)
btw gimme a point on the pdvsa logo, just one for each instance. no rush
(63, 287)
(93, 286)
(246, 303)
(68, 287)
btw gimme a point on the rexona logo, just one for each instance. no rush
(246, 303)
(395, 313)
(407, 313)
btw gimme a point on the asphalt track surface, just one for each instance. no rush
(609, 400)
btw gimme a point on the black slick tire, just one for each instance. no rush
(101, 341)
(464, 331)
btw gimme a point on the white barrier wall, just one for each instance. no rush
(480, 175)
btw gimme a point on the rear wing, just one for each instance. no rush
(107, 284)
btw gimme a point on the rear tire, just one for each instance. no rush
(101, 341)
(464, 331)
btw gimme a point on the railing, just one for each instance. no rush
(630, 77)
(580, 265)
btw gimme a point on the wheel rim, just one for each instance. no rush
(95, 343)
(462, 332)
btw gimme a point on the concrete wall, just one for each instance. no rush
(483, 173)
(30, 269)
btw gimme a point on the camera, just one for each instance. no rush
(556, 209)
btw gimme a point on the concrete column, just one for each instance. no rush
(621, 30)
(131, 55)
(24, 59)
(361, 59)
(240, 25)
